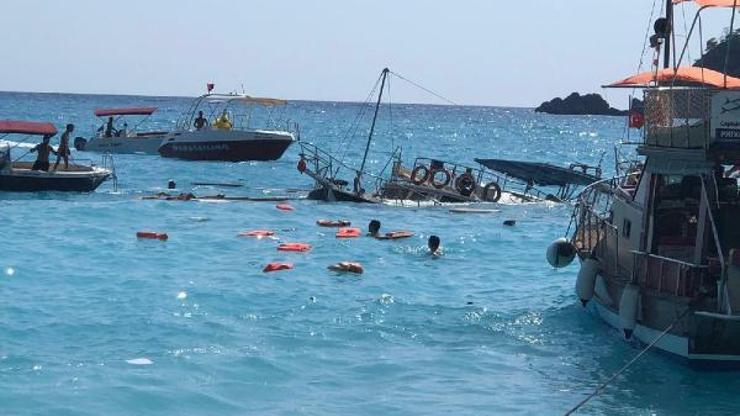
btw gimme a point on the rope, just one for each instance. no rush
(647, 36)
(603, 385)
(441, 97)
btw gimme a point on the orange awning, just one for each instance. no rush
(683, 75)
(710, 3)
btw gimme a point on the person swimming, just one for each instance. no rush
(373, 229)
(347, 266)
(434, 245)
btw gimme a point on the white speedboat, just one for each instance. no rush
(226, 133)
(122, 140)
(19, 176)
(659, 243)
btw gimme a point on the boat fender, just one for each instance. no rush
(302, 165)
(152, 235)
(348, 232)
(330, 223)
(284, 207)
(80, 143)
(297, 247)
(445, 182)
(274, 267)
(586, 280)
(257, 233)
(628, 308)
(415, 175)
(560, 253)
(487, 192)
(465, 184)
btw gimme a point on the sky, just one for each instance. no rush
(477, 52)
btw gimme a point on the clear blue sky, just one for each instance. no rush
(492, 52)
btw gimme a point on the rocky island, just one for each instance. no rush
(577, 104)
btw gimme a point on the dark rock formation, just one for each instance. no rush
(714, 55)
(576, 104)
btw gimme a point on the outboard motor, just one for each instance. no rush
(80, 143)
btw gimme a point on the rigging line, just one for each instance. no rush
(603, 385)
(686, 31)
(352, 130)
(356, 120)
(647, 36)
(441, 97)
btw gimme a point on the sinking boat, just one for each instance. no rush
(567, 180)
(447, 182)
(659, 243)
(327, 171)
(19, 176)
(228, 135)
(124, 139)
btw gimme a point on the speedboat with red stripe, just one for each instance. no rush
(114, 135)
(18, 175)
(220, 127)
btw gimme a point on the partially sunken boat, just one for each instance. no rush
(19, 176)
(659, 244)
(332, 176)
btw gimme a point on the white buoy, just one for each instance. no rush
(560, 253)
(586, 280)
(628, 305)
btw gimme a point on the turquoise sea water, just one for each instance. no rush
(93, 321)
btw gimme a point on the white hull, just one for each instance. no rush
(141, 144)
(673, 344)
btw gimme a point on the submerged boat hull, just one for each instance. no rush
(226, 145)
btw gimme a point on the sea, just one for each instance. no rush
(94, 321)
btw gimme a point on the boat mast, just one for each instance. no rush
(668, 33)
(384, 75)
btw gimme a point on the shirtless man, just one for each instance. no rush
(43, 150)
(63, 149)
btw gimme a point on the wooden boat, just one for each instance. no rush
(659, 243)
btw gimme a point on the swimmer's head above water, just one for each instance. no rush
(373, 228)
(433, 244)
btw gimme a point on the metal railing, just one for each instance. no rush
(678, 117)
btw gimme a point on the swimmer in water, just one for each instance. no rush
(433, 244)
(347, 266)
(373, 229)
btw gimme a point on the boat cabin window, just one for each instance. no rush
(675, 216)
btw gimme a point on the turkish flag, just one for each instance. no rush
(637, 119)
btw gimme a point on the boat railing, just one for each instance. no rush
(668, 276)
(482, 176)
(107, 162)
(678, 117)
(328, 168)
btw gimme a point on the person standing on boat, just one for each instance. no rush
(109, 129)
(63, 149)
(42, 154)
(200, 122)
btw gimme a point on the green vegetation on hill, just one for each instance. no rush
(714, 57)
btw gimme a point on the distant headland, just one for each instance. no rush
(577, 104)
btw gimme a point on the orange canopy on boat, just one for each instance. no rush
(710, 3)
(682, 75)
